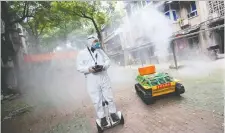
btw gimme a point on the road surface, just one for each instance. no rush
(60, 104)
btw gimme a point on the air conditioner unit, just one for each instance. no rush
(184, 22)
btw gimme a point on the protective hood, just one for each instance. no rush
(90, 41)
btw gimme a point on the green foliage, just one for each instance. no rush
(91, 11)
(21, 10)
(50, 20)
(16, 9)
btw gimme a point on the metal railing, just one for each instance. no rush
(209, 29)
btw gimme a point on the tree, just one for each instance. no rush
(40, 19)
(48, 20)
(64, 24)
(14, 12)
(92, 11)
(10, 16)
(30, 14)
(17, 11)
(60, 25)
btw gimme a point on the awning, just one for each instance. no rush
(216, 22)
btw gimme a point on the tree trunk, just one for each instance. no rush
(98, 32)
(17, 72)
(9, 50)
(36, 40)
(6, 18)
(174, 53)
(37, 45)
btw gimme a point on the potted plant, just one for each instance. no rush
(180, 21)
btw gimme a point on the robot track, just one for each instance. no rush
(145, 95)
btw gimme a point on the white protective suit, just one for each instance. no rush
(98, 84)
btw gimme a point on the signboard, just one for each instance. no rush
(163, 85)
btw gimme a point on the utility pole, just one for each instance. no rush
(174, 54)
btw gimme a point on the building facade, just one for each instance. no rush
(196, 16)
(187, 17)
(112, 40)
(117, 38)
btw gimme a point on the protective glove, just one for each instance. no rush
(91, 70)
(97, 68)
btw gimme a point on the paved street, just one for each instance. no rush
(68, 109)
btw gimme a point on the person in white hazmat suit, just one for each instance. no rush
(98, 83)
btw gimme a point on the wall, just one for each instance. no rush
(176, 26)
(128, 36)
(183, 14)
(202, 16)
(203, 10)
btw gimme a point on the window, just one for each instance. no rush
(166, 8)
(167, 14)
(170, 13)
(148, 1)
(192, 11)
(174, 15)
(193, 42)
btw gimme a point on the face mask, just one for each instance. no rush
(96, 45)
